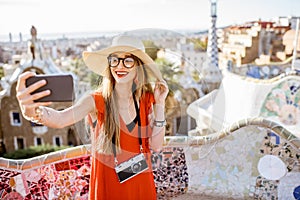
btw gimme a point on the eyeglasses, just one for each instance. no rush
(114, 61)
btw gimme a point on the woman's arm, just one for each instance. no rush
(158, 133)
(59, 119)
(46, 115)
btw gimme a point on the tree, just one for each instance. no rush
(199, 44)
(170, 73)
(1, 72)
(151, 49)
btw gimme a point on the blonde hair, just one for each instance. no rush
(111, 126)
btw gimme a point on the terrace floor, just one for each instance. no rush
(190, 196)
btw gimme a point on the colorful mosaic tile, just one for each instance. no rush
(283, 103)
(227, 166)
(69, 179)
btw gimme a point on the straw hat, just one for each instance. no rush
(97, 60)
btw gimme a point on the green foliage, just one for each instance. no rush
(95, 80)
(171, 73)
(1, 72)
(195, 75)
(151, 49)
(33, 151)
(199, 44)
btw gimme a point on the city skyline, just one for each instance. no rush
(56, 16)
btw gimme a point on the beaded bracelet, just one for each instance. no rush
(159, 123)
(38, 116)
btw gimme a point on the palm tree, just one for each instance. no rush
(171, 73)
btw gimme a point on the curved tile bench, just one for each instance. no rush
(220, 164)
(276, 99)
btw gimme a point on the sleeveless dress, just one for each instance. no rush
(104, 184)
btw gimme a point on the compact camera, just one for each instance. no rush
(131, 167)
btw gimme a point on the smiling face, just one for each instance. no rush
(125, 71)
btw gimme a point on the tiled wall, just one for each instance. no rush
(228, 167)
(223, 164)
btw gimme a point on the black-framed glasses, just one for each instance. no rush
(128, 61)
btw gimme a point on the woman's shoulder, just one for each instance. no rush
(97, 94)
(99, 100)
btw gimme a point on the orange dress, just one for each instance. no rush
(104, 183)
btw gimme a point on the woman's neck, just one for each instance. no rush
(124, 91)
(125, 102)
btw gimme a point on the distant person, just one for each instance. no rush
(126, 114)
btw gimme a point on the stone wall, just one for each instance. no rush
(221, 164)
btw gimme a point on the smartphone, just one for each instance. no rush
(60, 85)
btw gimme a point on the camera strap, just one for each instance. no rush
(139, 131)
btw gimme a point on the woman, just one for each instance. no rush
(126, 116)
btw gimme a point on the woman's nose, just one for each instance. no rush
(121, 64)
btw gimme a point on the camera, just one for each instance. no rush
(131, 167)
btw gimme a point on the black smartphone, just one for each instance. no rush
(60, 85)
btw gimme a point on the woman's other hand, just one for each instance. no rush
(161, 91)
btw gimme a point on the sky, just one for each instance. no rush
(67, 16)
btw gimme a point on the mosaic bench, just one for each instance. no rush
(65, 174)
(221, 164)
(239, 97)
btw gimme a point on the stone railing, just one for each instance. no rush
(223, 163)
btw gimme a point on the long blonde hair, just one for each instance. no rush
(111, 126)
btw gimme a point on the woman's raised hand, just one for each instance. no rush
(26, 99)
(161, 91)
